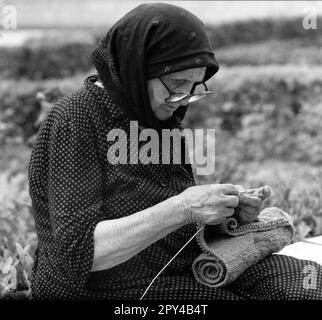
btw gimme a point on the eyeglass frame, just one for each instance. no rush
(189, 95)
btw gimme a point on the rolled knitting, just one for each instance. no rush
(229, 249)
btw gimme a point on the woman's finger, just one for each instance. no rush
(249, 209)
(229, 189)
(227, 212)
(240, 188)
(231, 201)
(250, 200)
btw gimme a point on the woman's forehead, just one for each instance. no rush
(194, 74)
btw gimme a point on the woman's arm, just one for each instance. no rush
(118, 240)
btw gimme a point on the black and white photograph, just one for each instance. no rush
(160, 151)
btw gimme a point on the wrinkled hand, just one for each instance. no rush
(209, 204)
(251, 203)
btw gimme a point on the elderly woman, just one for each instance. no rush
(105, 230)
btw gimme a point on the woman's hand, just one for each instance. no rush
(209, 204)
(251, 202)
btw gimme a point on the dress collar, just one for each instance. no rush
(99, 93)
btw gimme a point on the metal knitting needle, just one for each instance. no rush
(146, 290)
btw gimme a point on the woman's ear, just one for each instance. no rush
(154, 94)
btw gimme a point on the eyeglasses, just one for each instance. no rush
(190, 97)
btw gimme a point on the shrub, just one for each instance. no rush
(38, 63)
(19, 107)
(265, 112)
(17, 231)
(254, 30)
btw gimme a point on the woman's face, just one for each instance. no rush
(177, 82)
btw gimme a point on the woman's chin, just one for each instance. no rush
(163, 116)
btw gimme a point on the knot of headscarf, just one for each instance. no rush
(150, 41)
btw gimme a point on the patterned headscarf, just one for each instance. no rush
(150, 41)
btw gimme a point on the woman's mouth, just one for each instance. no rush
(169, 108)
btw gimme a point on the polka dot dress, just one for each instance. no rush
(73, 187)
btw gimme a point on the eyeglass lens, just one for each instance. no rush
(178, 98)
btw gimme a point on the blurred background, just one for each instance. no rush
(267, 106)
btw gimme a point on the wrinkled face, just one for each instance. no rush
(177, 82)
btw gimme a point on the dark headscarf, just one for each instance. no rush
(150, 41)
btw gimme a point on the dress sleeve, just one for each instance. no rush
(75, 198)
